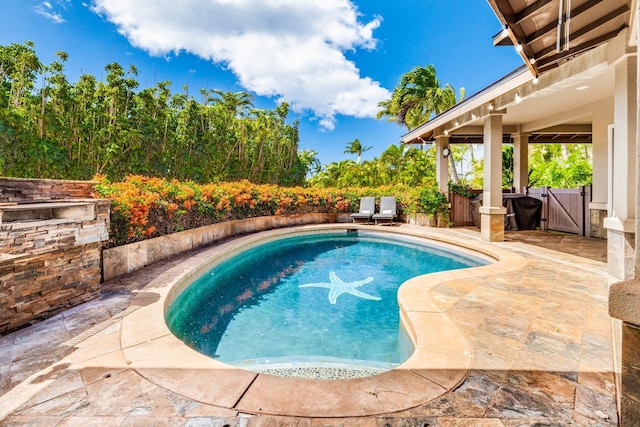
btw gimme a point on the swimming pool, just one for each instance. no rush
(315, 298)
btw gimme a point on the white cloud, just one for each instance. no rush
(51, 11)
(289, 49)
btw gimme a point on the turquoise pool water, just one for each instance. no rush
(328, 297)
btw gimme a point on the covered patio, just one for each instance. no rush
(577, 84)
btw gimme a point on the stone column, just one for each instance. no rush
(621, 224)
(492, 213)
(520, 161)
(624, 304)
(442, 164)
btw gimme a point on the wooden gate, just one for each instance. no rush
(564, 209)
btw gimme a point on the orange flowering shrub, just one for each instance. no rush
(143, 207)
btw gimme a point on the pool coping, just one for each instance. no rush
(440, 362)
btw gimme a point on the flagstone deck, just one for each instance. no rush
(540, 337)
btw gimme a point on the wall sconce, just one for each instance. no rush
(445, 152)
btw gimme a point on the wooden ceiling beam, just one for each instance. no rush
(503, 9)
(549, 61)
(600, 21)
(554, 24)
(587, 28)
(547, 57)
(530, 10)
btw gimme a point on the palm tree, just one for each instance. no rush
(356, 147)
(236, 103)
(417, 97)
(310, 161)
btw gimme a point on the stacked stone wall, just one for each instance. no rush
(48, 262)
(22, 190)
(39, 286)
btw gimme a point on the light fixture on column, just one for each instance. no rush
(518, 99)
(445, 152)
(535, 80)
(491, 106)
(519, 47)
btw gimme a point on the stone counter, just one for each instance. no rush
(50, 249)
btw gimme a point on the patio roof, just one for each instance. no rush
(555, 87)
(558, 106)
(548, 33)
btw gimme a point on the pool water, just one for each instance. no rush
(328, 297)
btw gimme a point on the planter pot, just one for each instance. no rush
(424, 220)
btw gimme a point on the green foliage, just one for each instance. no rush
(560, 165)
(461, 188)
(507, 166)
(417, 97)
(432, 202)
(76, 130)
(397, 165)
(356, 147)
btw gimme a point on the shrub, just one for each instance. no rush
(460, 188)
(143, 207)
(432, 202)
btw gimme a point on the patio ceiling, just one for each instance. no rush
(548, 33)
(574, 135)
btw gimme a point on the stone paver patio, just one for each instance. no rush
(540, 338)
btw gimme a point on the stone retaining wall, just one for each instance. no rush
(50, 248)
(128, 258)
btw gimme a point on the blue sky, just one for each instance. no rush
(332, 60)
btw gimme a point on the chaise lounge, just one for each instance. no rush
(387, 210)
(367, 208)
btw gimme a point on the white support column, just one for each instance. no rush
(442, 164)
(492, 212)
(621, 224)
(602, 118)
(520, 161)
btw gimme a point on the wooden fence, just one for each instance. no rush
(564, 209)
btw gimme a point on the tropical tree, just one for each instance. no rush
(356, 147)
(560, 165)
(51, 127)
(417, 97)
(396, 165)
(310, 161)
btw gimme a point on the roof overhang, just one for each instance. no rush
(565, 97)
(548, 33)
